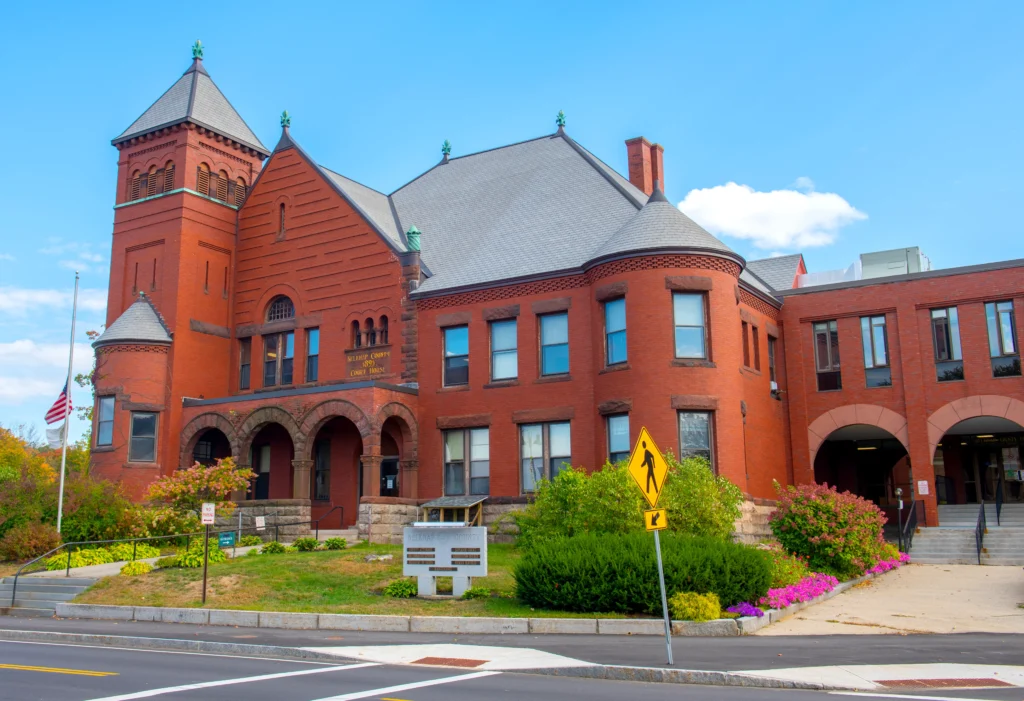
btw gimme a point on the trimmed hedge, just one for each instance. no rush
(618, 573)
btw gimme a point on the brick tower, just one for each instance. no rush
(184, 169)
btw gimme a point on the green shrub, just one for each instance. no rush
(193, 557)
(28, 540)
(97, 510)
(306, 545)
(838, 533)
(607, 501)
(135, 568)
(248, 540)
(335, 543)
(618, 573)
(787, 569)
(79, 558)
(477, 593)
(169, 561)
(690, 606)
(401, 589)
(273, 548)
(123, 551)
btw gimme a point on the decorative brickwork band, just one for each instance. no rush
(133, 348)
(755, 302)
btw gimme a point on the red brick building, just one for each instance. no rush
(500, 315)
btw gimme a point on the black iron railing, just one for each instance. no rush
(908, 528)
(979, 530)
(999, 502)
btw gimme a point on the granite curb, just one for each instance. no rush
(665, 675)
(722, 627)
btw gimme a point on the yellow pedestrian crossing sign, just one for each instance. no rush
(648, 467)
(656, 519)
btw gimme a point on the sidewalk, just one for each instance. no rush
(919, 599)
(110, 569)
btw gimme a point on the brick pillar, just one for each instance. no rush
(371, 474)
(300, 478)
(241, 495)
(410, 331)
(409, 479)
(914, 328)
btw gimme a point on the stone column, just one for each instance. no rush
(300, 478)
(371, 474)
(240, 494)
(409, 478)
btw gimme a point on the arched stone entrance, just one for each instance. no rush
(334, 474)
(851, 414)
(399, 471)
(206, 426)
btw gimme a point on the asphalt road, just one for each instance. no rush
(56, 672)
(716, 654)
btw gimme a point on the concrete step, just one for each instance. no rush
(28, 612)
(28, 585)
(73, 581)
(38, 595)
(20, 603)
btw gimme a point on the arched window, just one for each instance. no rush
(203, 179)
(357, 337)
(280, 308)
(280, 222)
(239, 193)
(371, 333)
(382, 331)
(152, 182)
(134, 191)
(222, 187)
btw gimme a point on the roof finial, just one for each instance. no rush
(446, 150)
(197, 50)
(286, 120)
(413, 238)
(560, 120)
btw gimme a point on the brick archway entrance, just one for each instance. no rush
(868, 414)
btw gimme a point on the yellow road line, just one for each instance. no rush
(58, 670)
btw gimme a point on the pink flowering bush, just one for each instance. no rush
(837, 533)
(186, 490)
(806, 589)
(888, 564)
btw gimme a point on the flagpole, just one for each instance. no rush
(67, 419)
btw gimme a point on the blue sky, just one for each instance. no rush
(843, 127)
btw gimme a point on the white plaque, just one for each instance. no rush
(261, 523)
(444, 552)
(922, 488)
(209, 513)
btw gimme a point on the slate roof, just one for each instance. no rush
(195, 98)
(375, 205)
(779, 272)
(140, 323)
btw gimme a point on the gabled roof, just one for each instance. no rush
(375, 205)
(779, 272)
(195, 98)
(140, 323)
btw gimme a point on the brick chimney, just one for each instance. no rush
(646, 164)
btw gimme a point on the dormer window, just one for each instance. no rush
(152, 182)
(281, 308)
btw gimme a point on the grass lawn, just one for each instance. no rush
(320, 582)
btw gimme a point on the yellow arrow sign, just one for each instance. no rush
(656, 519)
(648, 467)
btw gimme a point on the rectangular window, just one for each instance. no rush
(690, 331)
(746, 343)
(695, 436)
(244, 362)
(756, 347)
(545, 450)
(105, 421)
(615, 331)
(278, 358)
(949, 364)
(554, 344)
(456, 356)
(618, 438)
(142, 447)
(826, 355)
(312, 355)
(875, 340)
(504, 350)
(472, 466)
(1002, 339)
(322, 471)
(772, 376)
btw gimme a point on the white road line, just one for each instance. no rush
(93, 646)
(229, 682)
(873, 695)
(404, 687)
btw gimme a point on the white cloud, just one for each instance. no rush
(81, 256)
(19, 301)
(804, 183)
(31, 370)
(6, 256)
(779, 219)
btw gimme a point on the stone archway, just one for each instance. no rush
(195, 428)
(323, 412)
(871, 414)
(260, 418)
(967, 408)
(406, 422)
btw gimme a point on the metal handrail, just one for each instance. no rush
(908, 528)
(187, 536)
(999, 502)
(979, 530)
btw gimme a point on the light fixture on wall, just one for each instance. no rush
(867, 447)
(984, 435)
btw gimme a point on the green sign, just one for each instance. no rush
(227, 539)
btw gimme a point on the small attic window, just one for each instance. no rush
(281, 308)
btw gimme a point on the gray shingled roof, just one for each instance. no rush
(779, 272)
(140, 323)
(375, 205)
(195, 98)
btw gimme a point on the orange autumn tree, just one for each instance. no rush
(187, 490)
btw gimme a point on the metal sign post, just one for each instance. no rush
(664, 599)
(209, 516)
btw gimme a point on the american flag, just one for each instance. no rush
(61, 408)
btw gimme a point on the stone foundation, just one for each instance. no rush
(752, 527)
(381, 519)
(275, 511)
